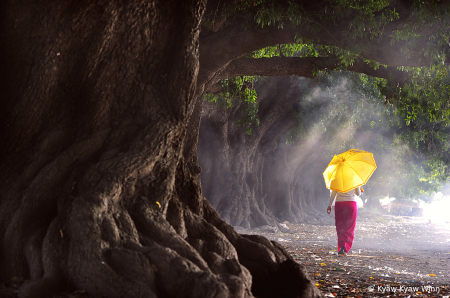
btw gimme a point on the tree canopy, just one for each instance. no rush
(404, 42)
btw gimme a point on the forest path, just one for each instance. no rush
(391, 255)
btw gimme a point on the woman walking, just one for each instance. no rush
(344, 175)
(346, 212)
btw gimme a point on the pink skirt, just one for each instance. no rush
(345, 215)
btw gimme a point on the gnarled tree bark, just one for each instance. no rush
(95, 192)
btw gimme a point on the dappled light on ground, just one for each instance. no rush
(392, 256)
(366, 275)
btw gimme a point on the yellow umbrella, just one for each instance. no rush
(349, 170)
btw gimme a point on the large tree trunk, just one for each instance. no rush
(95, 193)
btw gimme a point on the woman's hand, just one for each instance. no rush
(329, 209)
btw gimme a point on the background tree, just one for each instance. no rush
(232, 161)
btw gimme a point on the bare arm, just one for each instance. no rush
(332, 197)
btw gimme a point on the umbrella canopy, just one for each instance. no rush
(349, 170)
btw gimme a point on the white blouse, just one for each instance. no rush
(344, 196)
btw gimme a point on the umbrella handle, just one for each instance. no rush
(362, 190)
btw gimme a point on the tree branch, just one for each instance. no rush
(237, 39)
(303, 67)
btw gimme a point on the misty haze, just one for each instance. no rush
(269, 181)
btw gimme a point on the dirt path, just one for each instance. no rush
(391, 256)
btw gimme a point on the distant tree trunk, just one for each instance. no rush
(95, 193)
(234, 166)
(293, 182)
(252, 180)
